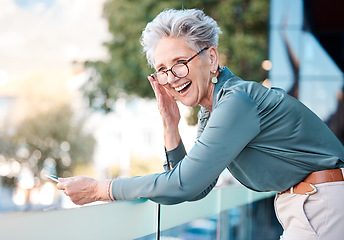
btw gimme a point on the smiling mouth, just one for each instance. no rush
(183, 87)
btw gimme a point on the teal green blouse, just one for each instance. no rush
(267, 139)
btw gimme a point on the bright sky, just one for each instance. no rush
(36, 35)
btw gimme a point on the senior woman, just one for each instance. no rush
(268, 140)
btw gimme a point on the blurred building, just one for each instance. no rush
(133, 134)
(39, 41)
(307, 55)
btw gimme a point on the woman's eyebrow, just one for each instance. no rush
(175, 59)
(179, 57)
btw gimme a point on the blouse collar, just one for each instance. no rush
(224, 76)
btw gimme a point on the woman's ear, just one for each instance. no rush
(213, 58)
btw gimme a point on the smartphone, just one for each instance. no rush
(53, 177)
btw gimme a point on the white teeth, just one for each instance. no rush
(182, 87)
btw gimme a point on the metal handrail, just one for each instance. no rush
(120, 220)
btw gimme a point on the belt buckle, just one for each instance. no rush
(313, 191)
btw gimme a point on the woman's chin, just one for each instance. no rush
(188, 102)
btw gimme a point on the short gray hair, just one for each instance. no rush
(198, 30)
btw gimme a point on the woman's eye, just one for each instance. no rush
(161, 69)
(181, 61)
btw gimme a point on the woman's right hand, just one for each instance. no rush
(169, 112)
(84, 190)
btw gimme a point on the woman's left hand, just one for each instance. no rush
(83, 190)
(169, 112)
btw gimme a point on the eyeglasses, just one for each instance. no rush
(179, 70)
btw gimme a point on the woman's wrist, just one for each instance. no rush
(104, 190)
(172, 140)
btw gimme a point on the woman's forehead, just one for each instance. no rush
(171, 49)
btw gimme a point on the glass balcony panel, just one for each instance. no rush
(321, 94)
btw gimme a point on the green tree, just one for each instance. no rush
(243, 44)
(52, 142)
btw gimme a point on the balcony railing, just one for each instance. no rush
(120, 220)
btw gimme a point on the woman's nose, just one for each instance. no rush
(171, 78)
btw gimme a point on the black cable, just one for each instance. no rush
(158, 222)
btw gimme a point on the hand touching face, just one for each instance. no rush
(196, 88)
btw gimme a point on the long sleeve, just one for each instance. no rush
(224, 137)
(174, 156)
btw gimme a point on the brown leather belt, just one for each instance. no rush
(306, 187)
